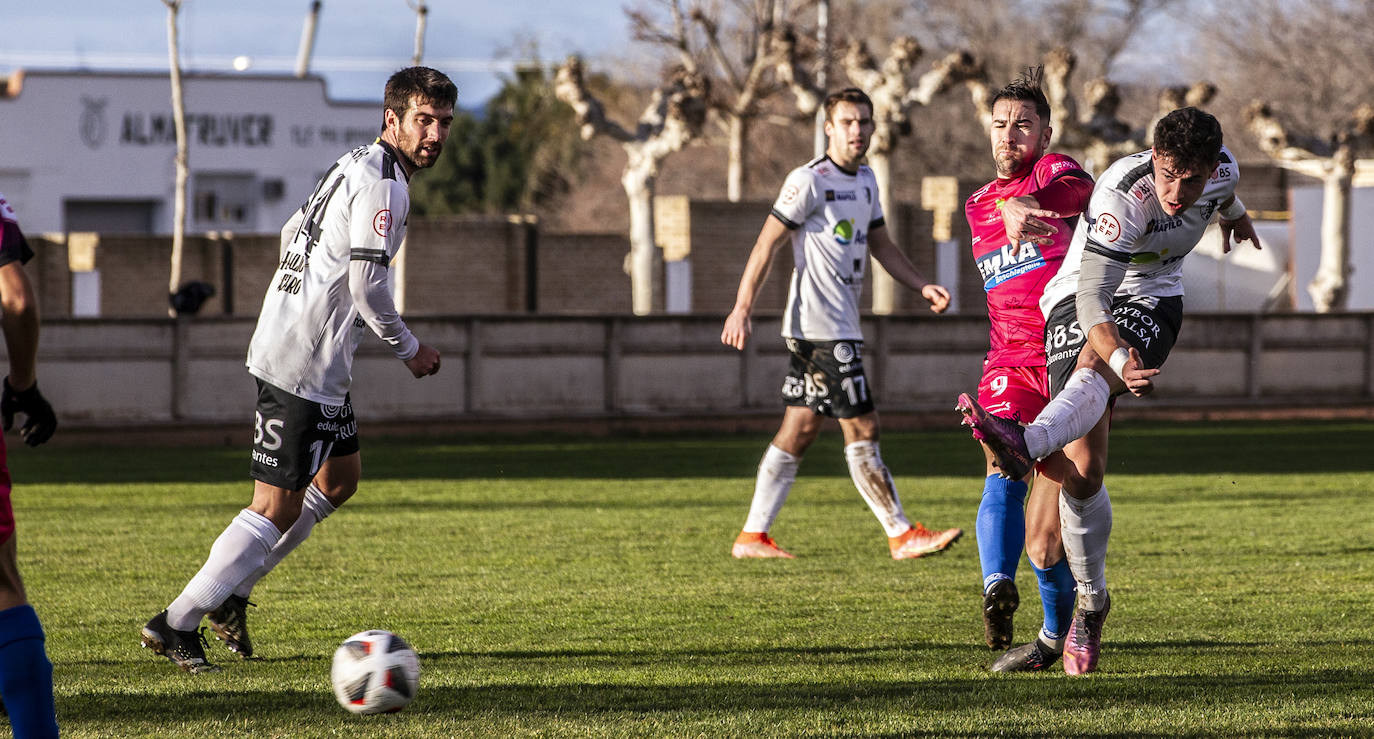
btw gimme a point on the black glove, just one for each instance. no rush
(39, 420)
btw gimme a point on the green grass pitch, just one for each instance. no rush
(567, 586)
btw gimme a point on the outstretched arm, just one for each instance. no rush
(1024, 216)
(1239, 228)
(738, 327)
(902, 270)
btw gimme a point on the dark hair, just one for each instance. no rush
(1026, 88)
(430, 85)
(847, 95)
(1189, 137)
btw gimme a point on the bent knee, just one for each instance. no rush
(1083, 486)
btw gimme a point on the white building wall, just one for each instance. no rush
(93, 136)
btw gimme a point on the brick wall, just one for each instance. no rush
(583, 273)
(465, 264)
(719, 235)
(481, 264)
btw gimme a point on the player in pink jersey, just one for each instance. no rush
(1022, 224)
(25, 671)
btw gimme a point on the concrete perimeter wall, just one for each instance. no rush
(462, 264)
(125, 372)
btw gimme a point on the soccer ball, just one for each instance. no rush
(375, 672)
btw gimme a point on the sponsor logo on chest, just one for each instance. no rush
(1160, 225)
(1000, 265)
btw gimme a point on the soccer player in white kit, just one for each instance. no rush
(829, 210)
(331, 286)
(1120, 292)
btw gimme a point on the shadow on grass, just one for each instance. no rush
(1138, 449)
(958, 701)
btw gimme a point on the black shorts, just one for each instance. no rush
(827, 377)
(293, 436)
(1150, 325)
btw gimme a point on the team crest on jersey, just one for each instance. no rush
(1107, 227)
(844, 232)
(1001, 265)
(789, 194)
(381, 223)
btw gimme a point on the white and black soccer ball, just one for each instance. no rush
(375, 672)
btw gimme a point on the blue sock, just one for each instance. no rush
(26, 674)
(1001, 528)
(1057, 592)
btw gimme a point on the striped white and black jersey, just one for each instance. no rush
(333, 279)
(830, 212)
(1125, 222)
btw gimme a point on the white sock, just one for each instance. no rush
(875, 484)
(777, 472)
(1071, 414)
(1055, 645)
(237, 552)
(1086, 525)
(315, 509)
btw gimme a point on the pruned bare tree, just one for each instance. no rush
(675, 115)
(1311, 56)
(895, 97)
(794, 69)
(1282, 62)
(182, 167)
(731, 43)
(1331, 160)
(1093, 127)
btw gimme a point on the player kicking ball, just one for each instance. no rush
(1021, 225)
(829, 210)
(1113, 314)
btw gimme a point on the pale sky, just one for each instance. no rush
(358, 43)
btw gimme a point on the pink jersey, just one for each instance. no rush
(1014, 282)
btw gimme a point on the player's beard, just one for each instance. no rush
(1009, 164)
(420, 156)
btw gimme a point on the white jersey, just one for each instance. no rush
(1124, 221)
(830, 212)
(310, 323)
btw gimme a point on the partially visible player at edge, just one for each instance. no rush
(1021, 224)
(1120, 291)
(332, 283)
(829, 210)
(25, 672)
